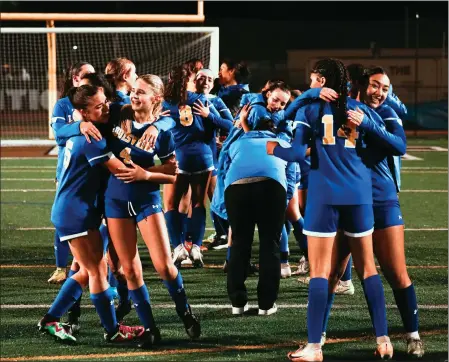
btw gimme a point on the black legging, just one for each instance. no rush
(263, 204)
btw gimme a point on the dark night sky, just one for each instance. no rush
(265, 30)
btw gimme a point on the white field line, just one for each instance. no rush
(28, 179)
(28, 158)
(424, 191)
(209, 229)
(431, 172)
(28, 190)
(423, 168)
(28, 171)
(228, 306)
(24, 167)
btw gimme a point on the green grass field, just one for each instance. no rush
(27, 260)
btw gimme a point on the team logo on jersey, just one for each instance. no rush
(130, 139)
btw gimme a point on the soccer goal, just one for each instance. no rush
(33, 60)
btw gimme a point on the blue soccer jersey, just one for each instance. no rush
(380, 158)
(75, 207)
(127, 148)
(339, 176)
(64, 127)
(232, 96)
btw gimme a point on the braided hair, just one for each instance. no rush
(176, 89)
(337, 79)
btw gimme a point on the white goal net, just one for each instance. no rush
(24, 108)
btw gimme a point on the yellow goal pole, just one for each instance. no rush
(52, 77)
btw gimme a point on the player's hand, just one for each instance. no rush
(171, 168)
(148, 139)
(356, 117)
(243, 116)
(132, 173)
(165, 113)
(200, 109)
(126, 125)
(271, 145)
(328, 94)
(89, 130)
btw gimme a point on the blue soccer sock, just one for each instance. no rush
(318, 297)
(104, 305)
(174, 226)
(330, 303)
(347, 275)
(183, 220)
(228, 253)
(104, 236)
(198, 225)
(284, 246)
(375, 297)
(408, 308)
(288, 227)
(189, 227)
(62, 250)
(69, 293)
(300, 238)
(177, 292)
(71, 273)
(141, 300)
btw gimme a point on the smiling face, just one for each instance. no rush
(277, 100)
(377, 90)
(226, 75)
(204, 83)
(97, 109)
(141, 95)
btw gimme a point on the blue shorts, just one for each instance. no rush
(215, 170)
(75, 229)
(387, 214)
(303, 183)
(194, 158)
(324, 220)
(139, 210)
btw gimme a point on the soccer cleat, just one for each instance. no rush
(269, 311)
(384, 350)
(61, 331)
(304, 280)
(73, 321)
(210, 238)
(191, 323)
(58, 276)
(219, 242)
(240, 310)
(303, 267)
(122, 310)
(149, 338)
(304, 354)
(345, 288)
(180, 254)
(415, 348)
(323, 339)
(286, 271)
(124, 334)
(196, 256)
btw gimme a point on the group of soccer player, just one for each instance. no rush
(345, 134)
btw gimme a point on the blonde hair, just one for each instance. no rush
(157, 87)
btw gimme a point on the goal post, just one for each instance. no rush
(36, 58)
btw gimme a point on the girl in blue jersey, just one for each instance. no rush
(204, 82)
(121, 73)
(195, 161)
(388, 236)
(336, 199)
(232, 79)
(76, 217)
(62, 123)
(128, 204)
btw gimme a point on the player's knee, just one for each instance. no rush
(132, 273)
(398, 279)
(166, 270)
